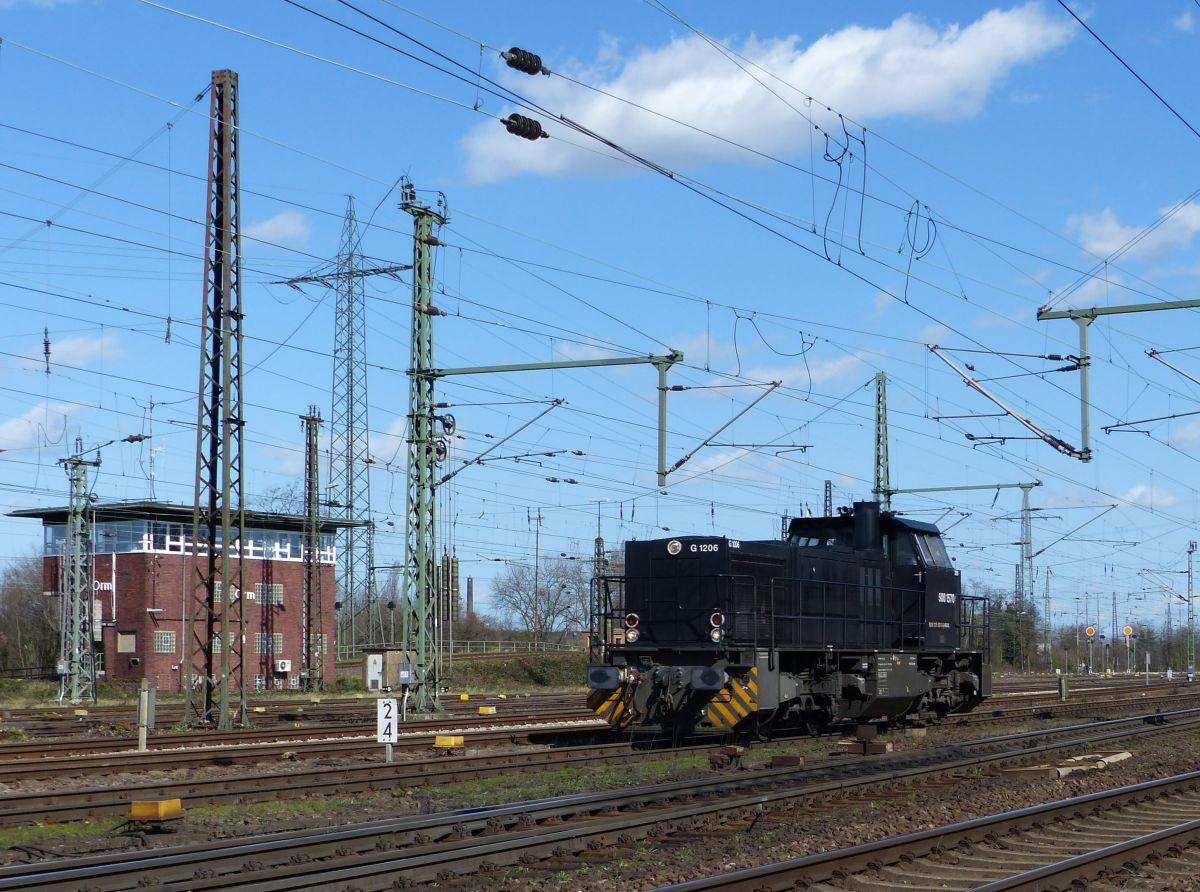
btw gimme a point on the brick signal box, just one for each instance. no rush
(144, 577)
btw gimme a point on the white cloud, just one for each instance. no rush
(1185, 21)
(760, 466)
(81, 351)
(1094, 292)
(387, 445)
(909, 68)
(77, 352)
(1185, 436)
(700, 348)
(933, 333)
(45, 421)
(799, 374)
(1103, 234)
(1149, 495)
(285, 228)
(570, 351)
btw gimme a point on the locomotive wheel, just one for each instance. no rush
(814, 723)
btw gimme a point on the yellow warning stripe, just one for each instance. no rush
(610, 706)
(735, 701)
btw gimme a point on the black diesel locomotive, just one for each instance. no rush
(857, 617)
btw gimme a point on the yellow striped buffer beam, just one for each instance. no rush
(611, 706)
(735, 701)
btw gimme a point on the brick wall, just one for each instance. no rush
(149, 592)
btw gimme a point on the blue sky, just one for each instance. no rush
(772, 253)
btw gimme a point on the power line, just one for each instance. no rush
(1128, 68)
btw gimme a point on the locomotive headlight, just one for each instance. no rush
(674, 547)
(716, 635)
(631, 636)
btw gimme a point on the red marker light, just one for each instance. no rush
(631, 620)
(716, 620)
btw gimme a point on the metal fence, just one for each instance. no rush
(33, 672)
(479, 647)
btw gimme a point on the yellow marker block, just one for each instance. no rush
(502, 696)
(81, 712)
(487, 710)
(464, 697)
(448, 741)
(258, 709)
(155, 809)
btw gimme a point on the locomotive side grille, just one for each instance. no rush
(735, 701)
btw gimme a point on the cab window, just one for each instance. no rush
(902, 548)
(933, 552)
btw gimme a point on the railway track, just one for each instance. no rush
(65, 722)
(130, 761)
(984, 715)
(38, 750)
(99, 759)
(1058, 845)
(423, 849)
(100, 802)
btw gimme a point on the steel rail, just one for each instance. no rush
(905, 849)
(313, 746)
(983, 717)
(59, 806)
(1110, 858)
(42, 806)
(444, 725)
(442, 845)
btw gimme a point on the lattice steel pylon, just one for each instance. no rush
(349, 450)
(312, 614)
(214, 686)
(883, 482)
(77, 663)
(420, 601)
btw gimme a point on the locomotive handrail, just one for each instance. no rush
(903, 629)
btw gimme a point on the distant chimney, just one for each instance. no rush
(470, 596)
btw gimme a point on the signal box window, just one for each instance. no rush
(164, 642)
(268, 642)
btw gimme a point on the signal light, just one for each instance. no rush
(631, 620)
(716, 620)
(526, 128)
(523, 60)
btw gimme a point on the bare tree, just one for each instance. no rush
(561, 602)
(286, 498)
(29, 621)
